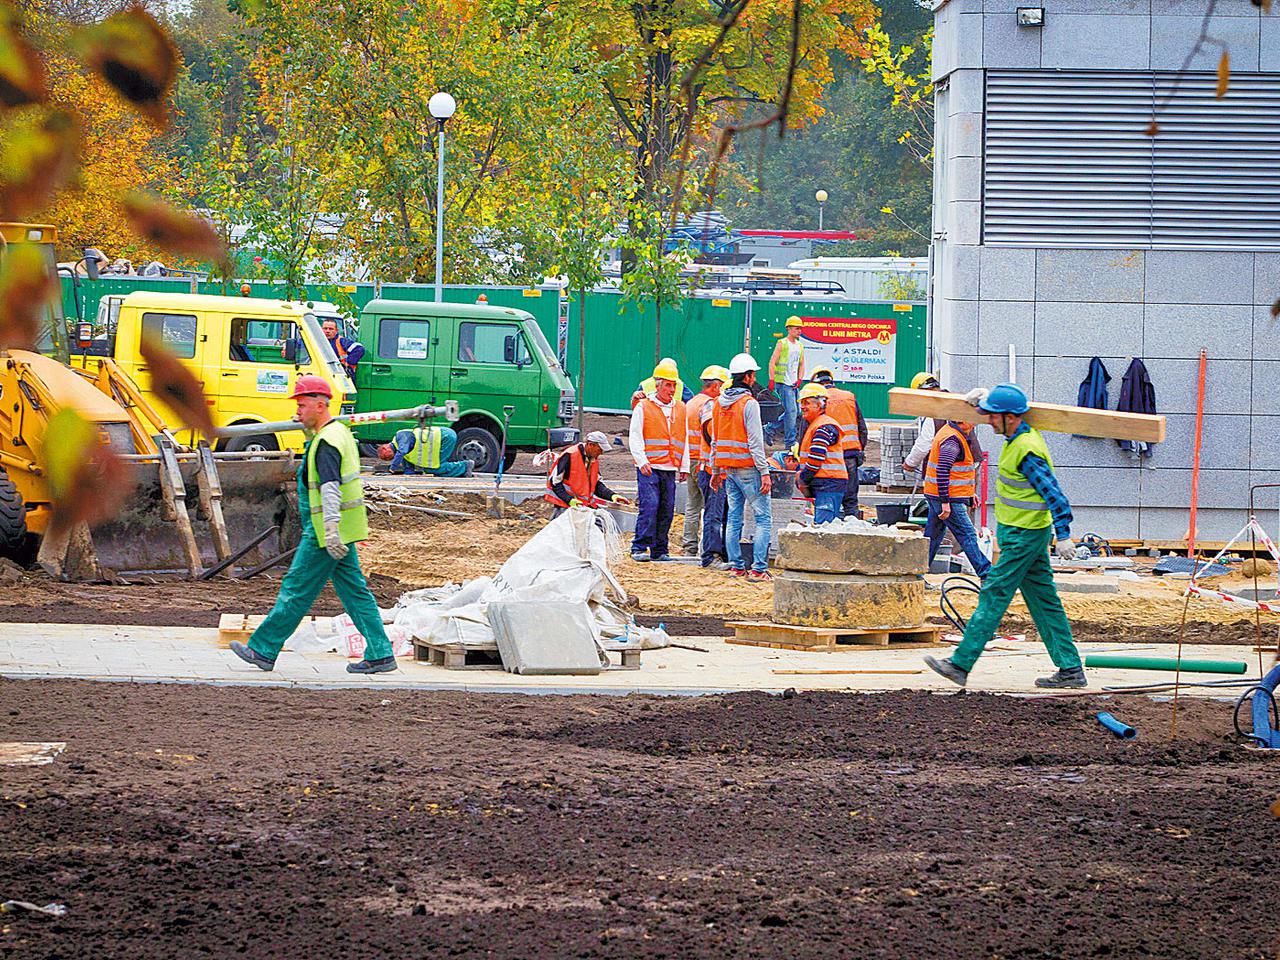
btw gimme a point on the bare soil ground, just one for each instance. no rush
(196, 821)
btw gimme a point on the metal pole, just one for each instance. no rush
(820, 206)
(440, 218)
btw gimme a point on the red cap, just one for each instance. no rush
(311, 384)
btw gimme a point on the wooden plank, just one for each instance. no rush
(30, 753)
(1055, 417)
(831, 648)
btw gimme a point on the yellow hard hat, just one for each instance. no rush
(921, 379)
(666, 370)
(794, 321)
(795, 450)
(716, 372)
(822, 371)
(812, 390)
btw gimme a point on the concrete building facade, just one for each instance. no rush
(1062, 227)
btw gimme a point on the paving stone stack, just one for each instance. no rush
(895, 444)
(847, 579)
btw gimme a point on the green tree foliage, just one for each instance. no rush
(856, 152)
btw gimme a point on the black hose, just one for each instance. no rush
(1097, 545)
(1275, 712)
(947, 606)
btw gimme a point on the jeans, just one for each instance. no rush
(1023, 565)
(961, 527)
(656, 496)
(403, 445)
(789, 395)
(693, 508)
(827, 498)
(852, 461)
(742, 486)
(713, 508)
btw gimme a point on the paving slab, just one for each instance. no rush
(192, 655)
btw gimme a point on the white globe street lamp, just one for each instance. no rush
(442, 107)
(821, 197)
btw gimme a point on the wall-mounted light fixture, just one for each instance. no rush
(1031, 16)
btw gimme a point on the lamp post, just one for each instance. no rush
(821, 197)
(442, 107)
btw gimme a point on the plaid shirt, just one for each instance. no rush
(1040, 475)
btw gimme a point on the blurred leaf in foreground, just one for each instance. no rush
(27, 286)
(132, 52)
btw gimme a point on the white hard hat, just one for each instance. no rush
(743, 363)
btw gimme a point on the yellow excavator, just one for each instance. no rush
(193, 512)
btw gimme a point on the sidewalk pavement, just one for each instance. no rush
(192, 655)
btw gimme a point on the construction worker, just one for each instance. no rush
(927, 427)
(347, 350)
(786, 373)
(703, 502)
(843, 405)
(1030, 509)
(712, 384)
(331, 502)
(821, 473)
(574, 478)
(659, 448)
(950, 482)
(425, 450)
(787, 460)
(740, 466)
(648, 384)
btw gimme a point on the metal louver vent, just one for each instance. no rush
(1069, 162)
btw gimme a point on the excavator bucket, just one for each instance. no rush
(191, 511)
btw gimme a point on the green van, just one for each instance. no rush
(492, 360)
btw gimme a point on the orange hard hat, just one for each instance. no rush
(311, 385)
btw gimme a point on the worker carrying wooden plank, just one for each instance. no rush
(1030, 511)
(334, 519)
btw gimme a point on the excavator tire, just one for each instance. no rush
(13, 520)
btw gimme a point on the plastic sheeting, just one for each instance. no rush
(568, 560)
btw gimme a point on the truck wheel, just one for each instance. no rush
(509, 460)
(13, 521)
(259, 443)
(480, 447)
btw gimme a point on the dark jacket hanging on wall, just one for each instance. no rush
(1137, 395)
(1093, 388)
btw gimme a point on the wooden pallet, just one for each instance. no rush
(785, 636)
(454, 656)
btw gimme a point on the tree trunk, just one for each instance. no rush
(657, 331)
(582, 358)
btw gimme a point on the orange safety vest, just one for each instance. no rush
(833, 466)
(699, 449)
(843, 405)
(581, 480)
(964, 471)
(730, 431)
(664, 440)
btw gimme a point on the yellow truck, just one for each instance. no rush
(246, 352)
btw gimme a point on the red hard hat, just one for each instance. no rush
(311, 384)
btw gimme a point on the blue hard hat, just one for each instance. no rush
(1005, 398)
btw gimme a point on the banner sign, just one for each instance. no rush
(858, 350)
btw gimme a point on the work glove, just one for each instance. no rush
(976, 395)
(772, 384)
(619, 498)
(331, 508)
(1066, 548)
(575, 502)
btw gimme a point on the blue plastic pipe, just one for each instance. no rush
(1121, 730)
(1262, 732)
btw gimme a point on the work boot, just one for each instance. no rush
(640, 557)
(663, 558)
(249, 655)
(1064, 679)
(760, 576)
(946, 668)
(381, 665)
(736, 572)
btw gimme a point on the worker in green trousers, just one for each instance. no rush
(1030, 510)
(331, 503)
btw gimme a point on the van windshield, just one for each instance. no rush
(544, 348)
(324, 350)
